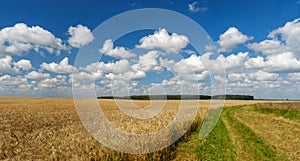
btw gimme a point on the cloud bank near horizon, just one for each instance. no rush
(266, 69)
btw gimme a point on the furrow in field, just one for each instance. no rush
(239, 149)
(281, 133)
(237, 145)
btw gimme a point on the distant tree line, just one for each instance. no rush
(234, 97)
(179, 97)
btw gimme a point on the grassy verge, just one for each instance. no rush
(217, 145)
(292, 114)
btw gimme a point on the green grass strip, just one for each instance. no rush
(252, 144)
(217, 145)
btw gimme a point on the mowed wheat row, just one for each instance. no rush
(265, 131)
(49, 128)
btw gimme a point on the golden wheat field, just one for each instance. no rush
(50, 129)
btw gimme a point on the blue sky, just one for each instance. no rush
(246, 27)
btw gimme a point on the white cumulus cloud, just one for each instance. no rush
(161, 39)
(7, 65)
(8, 80)
(255, 63)
(230, 39)
(62, 68)
(115, 67)
(117, 52)
(284, 62)
(280, 49)
(53, 82)
(263, 76)
(290, 34)
(80, 36)
(148, 62)
(37, 75)
(23, 64)
(283, 39)
(22, 38)
(268, 47)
